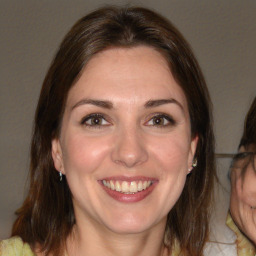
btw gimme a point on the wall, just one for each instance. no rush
(222, 34)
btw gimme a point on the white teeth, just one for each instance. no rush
(117, 187)
(140, 188)
(127, 187)
(133, 187)
(112, 185)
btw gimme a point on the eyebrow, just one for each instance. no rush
(99, 103)
(109, 105)
(159, 102)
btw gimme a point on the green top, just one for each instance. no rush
(244, 246)
(15, 247)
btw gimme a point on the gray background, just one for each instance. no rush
(222, 34)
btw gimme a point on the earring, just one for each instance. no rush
(60, 173)
(194, 164)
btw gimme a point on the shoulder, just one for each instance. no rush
(222, 241)
(244, 246)
(15, 247)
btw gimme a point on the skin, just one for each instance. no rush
(127, 143)
(243, 196)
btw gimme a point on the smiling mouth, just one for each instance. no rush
(127, 187)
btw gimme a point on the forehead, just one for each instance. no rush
(138, 73)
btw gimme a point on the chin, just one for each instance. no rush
(129, 229)
(130, 224)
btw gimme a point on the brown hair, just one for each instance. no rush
(249, 135)
(47, 216)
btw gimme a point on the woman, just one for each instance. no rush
(243, 181)
(122, 119)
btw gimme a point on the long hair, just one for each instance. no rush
(249, 135)
(47, 215)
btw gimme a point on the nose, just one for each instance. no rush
(129, 149)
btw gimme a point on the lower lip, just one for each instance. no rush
(129, 198)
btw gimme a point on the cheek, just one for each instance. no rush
(172, 164)
(248, 186)
(84, 154)
(172, 153)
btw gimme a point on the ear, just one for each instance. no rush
(57, 156)
(193, 146)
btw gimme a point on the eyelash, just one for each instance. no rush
(168, 121)
(91, 117)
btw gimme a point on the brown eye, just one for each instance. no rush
(158, 120)
(161, 120)
(95, 120)
(243, 159)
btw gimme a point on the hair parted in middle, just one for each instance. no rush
(47, 215)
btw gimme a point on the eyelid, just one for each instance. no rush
(95, 115)
(168, 117)
(242, 155)
(243, 158)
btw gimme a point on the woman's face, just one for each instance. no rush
(244, 176)
(125, 144)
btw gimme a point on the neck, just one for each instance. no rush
(102, 241)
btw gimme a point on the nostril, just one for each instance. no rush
(129, 152)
